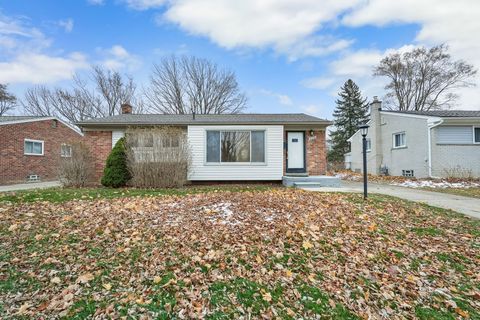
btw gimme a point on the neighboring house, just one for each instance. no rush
(31, 147)
(261, 142)
(419, 143)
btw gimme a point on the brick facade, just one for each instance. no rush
(316, 153)
(100, 144)
(15, 166)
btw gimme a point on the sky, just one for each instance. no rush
(289, 55)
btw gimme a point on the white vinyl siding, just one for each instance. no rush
(117, 135)
(271, 169)
(454, 135)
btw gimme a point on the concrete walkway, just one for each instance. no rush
(31, 185)
(466, 205)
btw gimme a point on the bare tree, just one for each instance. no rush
(8, 101)
(424, 79)
(37, 102)
(99, 96)
(180, 85)
(113, 88)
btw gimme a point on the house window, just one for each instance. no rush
(476, 137)
(33, 147)
(369, 144)
(236, 146)
(66, 151)
(399, 140)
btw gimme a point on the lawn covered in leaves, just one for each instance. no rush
(274, 253)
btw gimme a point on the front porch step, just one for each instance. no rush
(311, 181)
(307, 185)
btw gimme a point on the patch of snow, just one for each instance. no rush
(221, 211)
(436, 184)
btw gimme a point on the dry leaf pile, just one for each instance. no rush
(272, 254)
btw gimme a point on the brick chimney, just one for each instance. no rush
(126, 108)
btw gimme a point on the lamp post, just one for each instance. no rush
(364, 131)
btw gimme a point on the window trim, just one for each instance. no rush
(66, 145)
(473, 138)
(250, 163)
(393, 140)
(34, 141)
(369, 149)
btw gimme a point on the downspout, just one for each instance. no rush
(430, 126)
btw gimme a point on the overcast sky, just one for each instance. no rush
(289, 55)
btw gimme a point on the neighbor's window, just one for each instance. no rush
(235, 146)
(399, 140)
(369, 144)
(477, 135)
(66, 151)
(33, 147)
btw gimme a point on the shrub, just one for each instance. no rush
(76, 170)
(116, 172)
(158, 157)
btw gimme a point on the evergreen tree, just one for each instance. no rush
(116, 172)
(351, 111)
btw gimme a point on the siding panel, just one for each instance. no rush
(117, 135)
(272, 170)
(455, 135)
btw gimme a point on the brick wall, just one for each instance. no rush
(100, 144)
(15, 166)
(316, 153)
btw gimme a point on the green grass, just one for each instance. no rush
(470, 192)
(67, 194)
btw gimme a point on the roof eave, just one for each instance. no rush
(123, 124)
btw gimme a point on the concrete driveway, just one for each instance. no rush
(28, 186)
(466, 205)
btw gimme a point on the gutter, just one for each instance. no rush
(430, 125)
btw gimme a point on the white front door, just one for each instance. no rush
(296, 152)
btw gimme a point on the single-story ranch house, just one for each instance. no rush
(31, 147)
(264, 146)
(419, 144)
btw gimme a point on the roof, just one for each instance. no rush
(18, 118)
(9, 120)
(187, 119)
(443, 113)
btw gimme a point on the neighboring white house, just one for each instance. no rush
(419, 143)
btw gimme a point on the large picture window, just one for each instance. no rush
(235, 146)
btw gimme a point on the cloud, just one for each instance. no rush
(144, 4)
(24, 57)
(96, 2)
(40, 68)
(66, 24)
(282, 99)
(118, 58)
(455, 23)
(286, 26)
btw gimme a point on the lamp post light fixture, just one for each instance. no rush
(364, 131)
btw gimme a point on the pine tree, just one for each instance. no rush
(351, 111)
(116, 172)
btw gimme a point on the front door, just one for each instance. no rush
(295, 151)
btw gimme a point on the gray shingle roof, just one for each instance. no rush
(444, 113)
(17, 118)
(186, 119)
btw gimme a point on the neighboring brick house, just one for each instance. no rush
(31, 147)
(273, 145)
